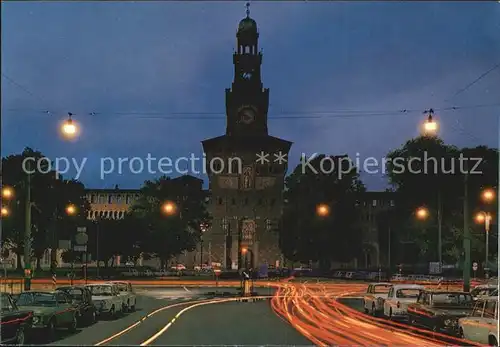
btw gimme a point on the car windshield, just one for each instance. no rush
(101, 290)
(451, 299)
(76, 294)
(483, 291)
(36, 299)
(122, 287)
(381, 289)
(408, 293)
(6, 304)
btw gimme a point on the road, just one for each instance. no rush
(317, 312)
(294, 313)
(221, 323)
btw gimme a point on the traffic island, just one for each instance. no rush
(217, 294)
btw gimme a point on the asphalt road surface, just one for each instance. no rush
(231, 323)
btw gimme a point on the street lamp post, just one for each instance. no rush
(488, 195)
(27, 231)
(97, 246)
(485, 218)
(467, 236)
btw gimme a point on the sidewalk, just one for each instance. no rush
(15, 286)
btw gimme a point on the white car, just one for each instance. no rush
(484, 291)
(106, 299)
(482, 325)
(373, 300)
(178, 267)
(127, 293)
(398, 299)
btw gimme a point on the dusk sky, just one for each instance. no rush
(134, 63)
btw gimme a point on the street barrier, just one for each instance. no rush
(11, 286)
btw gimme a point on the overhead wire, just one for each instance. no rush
(281, 114)
(274, 115)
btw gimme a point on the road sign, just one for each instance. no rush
(81, 238)
(474, 266)
(80, 248)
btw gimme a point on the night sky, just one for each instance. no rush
(345, 69)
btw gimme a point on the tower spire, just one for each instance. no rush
(248, 9)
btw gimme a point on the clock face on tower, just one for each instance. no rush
(246, 115)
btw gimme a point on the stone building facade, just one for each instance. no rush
(246, 167)
(373, 204)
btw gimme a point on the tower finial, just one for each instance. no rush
(248, 9)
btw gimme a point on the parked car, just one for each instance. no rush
(82, 299)
(127, 293)
(51, 311)
(178, 267)
(373, 300)
(440, 310)
(484, 291)
(106, 299)
(16, 323)
(398, 299)
(482, 325)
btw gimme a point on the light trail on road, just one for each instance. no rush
(314, 311)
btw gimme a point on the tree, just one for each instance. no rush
(425, 171)
(306, 236)
(167, 235)
(50, 195)
(109, 238)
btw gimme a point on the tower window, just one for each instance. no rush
(219, 201)
(269, 225)
(110, 199)
(233, 201)
(93, 199)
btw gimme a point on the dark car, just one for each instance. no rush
(440, 310)
(82, 299)
(15, 324)
(51, 311)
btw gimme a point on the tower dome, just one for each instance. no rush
(247, 25)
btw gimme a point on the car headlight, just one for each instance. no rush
(36, 320)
